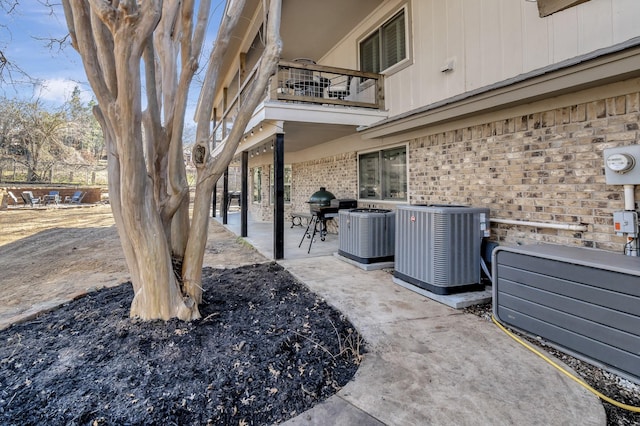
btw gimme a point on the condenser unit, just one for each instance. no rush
(438, 247)
(367, 235)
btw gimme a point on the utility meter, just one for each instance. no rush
(620, 162)
(621, 165)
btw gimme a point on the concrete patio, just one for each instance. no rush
(426, 363)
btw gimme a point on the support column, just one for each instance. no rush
(278, 205)
(244, 196)
(225, 197)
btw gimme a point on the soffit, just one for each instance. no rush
(311, 28)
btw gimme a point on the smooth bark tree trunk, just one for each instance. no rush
(148, 188)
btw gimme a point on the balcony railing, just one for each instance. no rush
(302, 81)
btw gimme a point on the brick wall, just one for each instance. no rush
(542, 167)
(338, 174)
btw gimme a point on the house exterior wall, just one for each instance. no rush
(542, 167)
(541, 161)
(337, 173)
(488, 41)
(545, 165)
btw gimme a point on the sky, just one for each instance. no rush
(24, 38)
(57, 70)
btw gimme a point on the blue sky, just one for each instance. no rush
(57, 71)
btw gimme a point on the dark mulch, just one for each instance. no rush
(266, 350)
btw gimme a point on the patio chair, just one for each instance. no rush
(76, 198)
(28, 198)
(339, 87)
(53, 197)
(13, 197)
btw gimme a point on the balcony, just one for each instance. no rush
(304, 81)
(329, 95)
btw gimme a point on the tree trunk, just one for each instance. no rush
(210, 170)
(148, 188)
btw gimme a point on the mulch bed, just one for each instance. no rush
(265, 350)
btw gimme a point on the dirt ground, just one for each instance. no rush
(265, 350)
(47, 256)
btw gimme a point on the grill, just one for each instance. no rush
(323, 205)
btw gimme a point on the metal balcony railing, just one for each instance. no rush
(302, 81)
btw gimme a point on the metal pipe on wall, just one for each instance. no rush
(563, 226)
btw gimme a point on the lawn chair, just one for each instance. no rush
(13, 197)
(76, 198)
(28, 198)
(53, 197)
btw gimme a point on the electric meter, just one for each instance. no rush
(620, 162)
(622, 165)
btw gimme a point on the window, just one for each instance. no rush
(287, 184)
(382, 175)
(257, 185)
(386, 46)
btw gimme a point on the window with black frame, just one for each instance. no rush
(386, 46)
(382, 175)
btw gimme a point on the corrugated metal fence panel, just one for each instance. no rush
(587, 301)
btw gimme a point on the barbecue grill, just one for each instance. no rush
(323, 205)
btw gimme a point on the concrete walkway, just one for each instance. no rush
(427, 364)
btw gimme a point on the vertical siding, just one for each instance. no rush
(595, 29)
(490, 40)
(624, 19)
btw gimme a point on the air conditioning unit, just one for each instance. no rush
(438, 247)
(367, 235)
(584, 300)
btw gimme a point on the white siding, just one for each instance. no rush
(489, 40)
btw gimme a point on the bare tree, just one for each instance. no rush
(9, 70)
(148, 188)
(33, 136)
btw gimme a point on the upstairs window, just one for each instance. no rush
(386, 47)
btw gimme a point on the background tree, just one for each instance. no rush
(148, 189)
(34, 136)
(83, 132)
(9, 70)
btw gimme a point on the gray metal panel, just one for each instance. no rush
(439, 245)
(597, 275)
(587, 301)
(616, 360)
